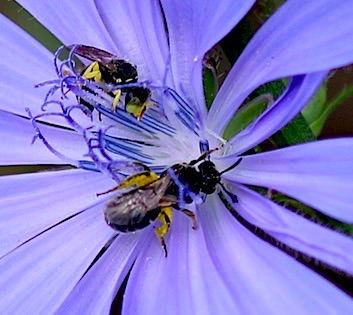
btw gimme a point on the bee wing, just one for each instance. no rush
(169, 200)
(137, 208)
(92, 53)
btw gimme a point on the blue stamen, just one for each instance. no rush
(46, 83)
(65, 113)
(97, 93)
(56, 57)
(185, 107)
(129, 150)
(188, 113)
(106, 153)
(125, 119)
(88, 166)
(110, 166)
(204, 146)
(190, 124)
(46, 143)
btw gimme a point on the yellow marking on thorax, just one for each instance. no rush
(139, 180)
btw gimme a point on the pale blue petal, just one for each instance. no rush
(132, 30)
(32, 64)
(16, 146)
(137, 30)
(261, 277)
(293, 100)
(292, 229)
(72, 22)
(31, 203)
(37, 276)
(318, 36)
(185, 282)
(318, 174)
(95, 292)
(194, 27)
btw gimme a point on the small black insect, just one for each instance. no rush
(108, 68)
(152, 197)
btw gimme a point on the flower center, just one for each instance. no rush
(123, 121)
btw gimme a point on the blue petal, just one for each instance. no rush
(315, 38)
(137, 30)
(318, 174)
(38, 276)
(294, 230)
(95, 292)
(260, 276)
(302, 37)
(297, 95)
(185, 282)
(19, 131)
(34, 64)
(193, 28)
(24, 62)
(31, 203)
(72, 22)
(130, 29)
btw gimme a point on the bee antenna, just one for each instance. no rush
(233, 197)
(203, 156)
(232, 166)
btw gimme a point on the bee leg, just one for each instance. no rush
(165, 216)
(108, 191)
(92, 72)
(139, 117)
(192, 216)
(116, 100)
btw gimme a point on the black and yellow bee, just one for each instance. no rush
(152, 197)
(108, 68)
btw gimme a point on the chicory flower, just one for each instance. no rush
(58, 254)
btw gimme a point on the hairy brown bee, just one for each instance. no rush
(150, 197)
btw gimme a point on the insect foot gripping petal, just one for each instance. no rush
(192, 216)
(165, 216)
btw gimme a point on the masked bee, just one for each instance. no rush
(150, 197)
(108, 68)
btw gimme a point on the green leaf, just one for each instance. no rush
(247, 114)
(316, 105)
(276, 88)
(318, 124)
(297, 131)
(210, 85)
